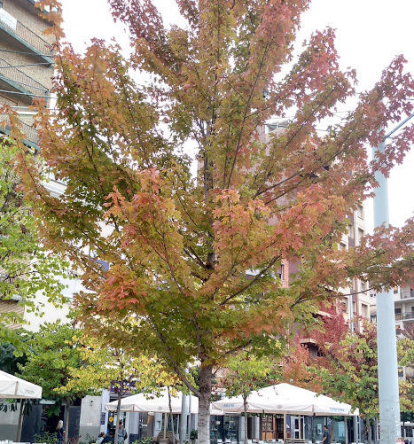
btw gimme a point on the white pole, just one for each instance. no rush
(184, 414)
(389, 402)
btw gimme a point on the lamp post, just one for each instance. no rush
(389, 401)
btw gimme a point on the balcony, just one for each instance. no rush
(31, 137)
(27, 40)
(409, 315)
(20, 85)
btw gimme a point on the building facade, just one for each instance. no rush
(26, 63)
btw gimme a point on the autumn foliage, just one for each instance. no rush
(345, 366)
(194, 261)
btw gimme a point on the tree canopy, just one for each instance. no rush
(194, 262)
(55, 355)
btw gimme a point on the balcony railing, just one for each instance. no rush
(404, 316)
(30, 133)
(20, 81)
(27, 35)
(407, 293)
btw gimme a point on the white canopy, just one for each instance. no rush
(156, 404)
(12, 387)
(286, 398)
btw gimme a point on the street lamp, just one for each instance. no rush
(389, 401)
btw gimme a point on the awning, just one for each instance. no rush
(12, 387)
(157, 404)
(286, 398)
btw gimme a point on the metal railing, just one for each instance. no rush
(406, 293)
(404, 316)
(24, 82)
(28, 131)
(26, 34)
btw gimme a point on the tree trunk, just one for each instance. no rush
(204, 405)
(245, 418)
(19, 426)
(67, 410)
(118, 414)
(369, 430)
(171, 414)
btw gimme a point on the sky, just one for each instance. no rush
(369, 34)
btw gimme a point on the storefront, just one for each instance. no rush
(225, 428)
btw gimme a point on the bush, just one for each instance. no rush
(46, 437)
(143, 441)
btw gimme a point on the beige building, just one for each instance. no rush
(26, 63)
(358, 305)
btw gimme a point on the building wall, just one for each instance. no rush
(8, 423)
(90, 419)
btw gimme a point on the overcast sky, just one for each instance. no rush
(369, 34)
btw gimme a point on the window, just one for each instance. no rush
(360, 234)
(364, 311)
(396, 290)
(282, 272)
(397, 311)
(360, 211)
(363, 286)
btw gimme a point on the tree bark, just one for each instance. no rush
(67, 410)
(245, 418)
(19, 426)
(171, 414)
(118, 413)
(204, 405)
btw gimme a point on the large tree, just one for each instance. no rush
(195, 261)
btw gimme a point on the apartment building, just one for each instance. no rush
(26, 63)
(404, 306)
(358, 305)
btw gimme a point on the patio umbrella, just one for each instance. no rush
(12, 387)
(286, 398)
(157, 404)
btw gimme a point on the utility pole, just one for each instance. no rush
(389, 401)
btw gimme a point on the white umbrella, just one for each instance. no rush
(12, 387)
(286, 398)
(157, 404)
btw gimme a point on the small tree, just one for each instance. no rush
(116, 367)
(54, 353)
(245, 373)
